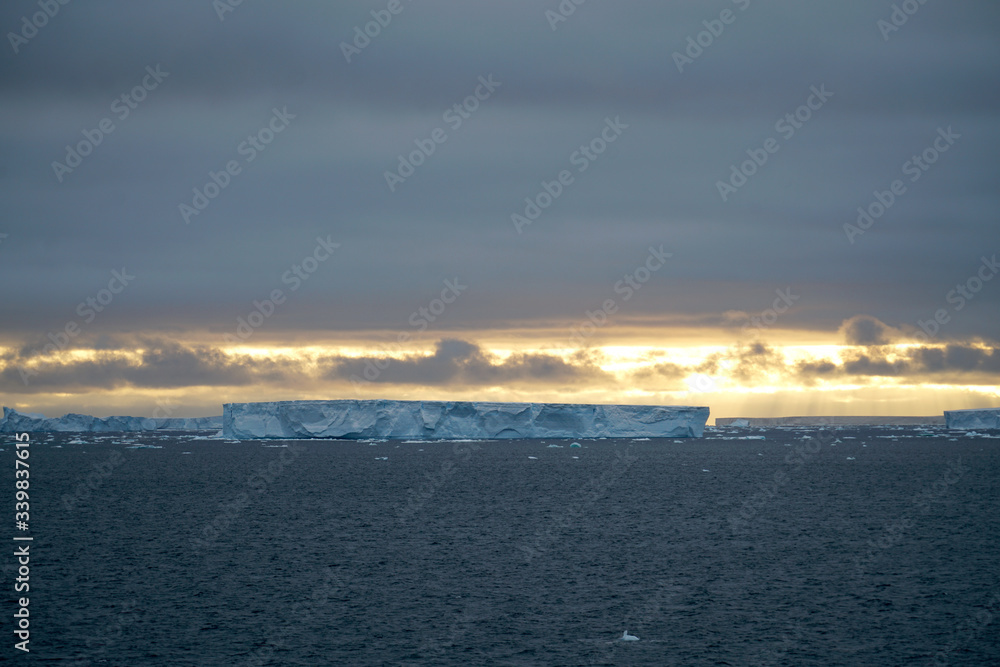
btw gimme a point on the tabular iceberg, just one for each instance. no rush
(14, 421)
(354, 419)
(969, 419)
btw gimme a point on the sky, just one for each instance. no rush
(770, 208)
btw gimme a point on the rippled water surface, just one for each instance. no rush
(873, 546)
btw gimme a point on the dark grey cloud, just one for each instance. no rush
(324, 175)
(866, 330)
(457, 364)
(461, 363)
(162, 364)
(962, 363)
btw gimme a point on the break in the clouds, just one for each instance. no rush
(452, 363)
(770, 147)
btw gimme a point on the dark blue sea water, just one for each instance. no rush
(873, 546)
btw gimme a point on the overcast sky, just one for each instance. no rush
(678, 123)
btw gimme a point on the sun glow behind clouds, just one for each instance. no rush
(748, 379)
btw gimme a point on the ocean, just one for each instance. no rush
(781, 546)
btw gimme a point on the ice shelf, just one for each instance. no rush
(969, 419)
(14, 421)
(355, 419)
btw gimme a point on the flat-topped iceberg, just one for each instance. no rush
(355, 419)
(970, 419)
(14, 421)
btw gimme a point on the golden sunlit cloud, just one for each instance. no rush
(746, 379)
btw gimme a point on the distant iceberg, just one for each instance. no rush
(357, 419)
(969, 419)
(14, 421)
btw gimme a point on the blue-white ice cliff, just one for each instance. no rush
(14, 421)
(353, 419)
(969, 419)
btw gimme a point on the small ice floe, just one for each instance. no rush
(850, 458)
(140, 446)
(276, 446)
(381, 458)
(56, 446)
(576, 457)
(76, 441)
(751, 437)
(420, 450)
(533, 458)
(576, 444)
(639, 439)
(759, 454)
(626, 637)
(185, 452)
(559, 446)
(705, 470)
